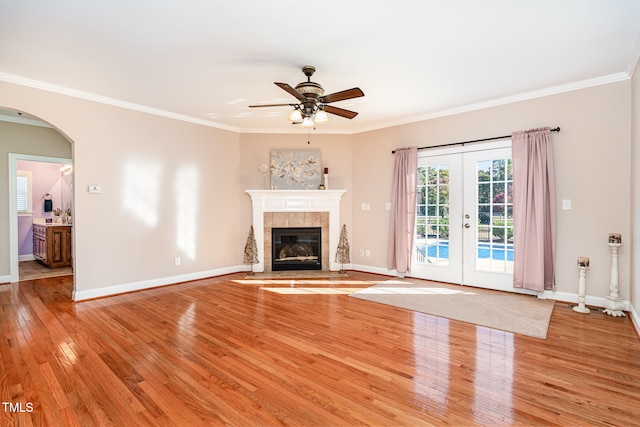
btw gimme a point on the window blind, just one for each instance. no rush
(23, 192)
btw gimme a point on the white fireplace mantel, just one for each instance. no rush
(296, 201)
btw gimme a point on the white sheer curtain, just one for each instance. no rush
(534, 206)
(403, 210)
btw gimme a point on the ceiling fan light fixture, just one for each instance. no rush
(307, 122)
(295, 116)
(321, 116)
(312, 104)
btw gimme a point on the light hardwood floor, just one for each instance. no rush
(29, 270)
(231, 351)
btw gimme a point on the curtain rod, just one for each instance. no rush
(470, 142)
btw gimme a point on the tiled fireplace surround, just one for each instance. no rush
(295, 219)
(296, 208)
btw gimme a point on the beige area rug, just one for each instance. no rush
(517, 313)
(303, 274)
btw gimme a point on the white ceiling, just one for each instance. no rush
(207, 60)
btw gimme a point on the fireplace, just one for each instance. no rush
(296, 248)
(296, 208)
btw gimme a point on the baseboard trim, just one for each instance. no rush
(635, 318)
(106, 291)
(28, 257)
(375, 270)
(5, 279)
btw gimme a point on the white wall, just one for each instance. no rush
(169, 189)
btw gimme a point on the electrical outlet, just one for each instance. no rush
(177, 261)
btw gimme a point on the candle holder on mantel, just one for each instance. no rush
(614, 304)
(583, 265)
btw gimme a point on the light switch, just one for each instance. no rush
(566, 204)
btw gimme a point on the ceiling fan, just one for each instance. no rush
(312, 107)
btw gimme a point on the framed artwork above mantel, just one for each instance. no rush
(296, 169)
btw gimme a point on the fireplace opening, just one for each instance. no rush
(296, 248)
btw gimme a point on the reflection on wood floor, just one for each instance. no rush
(30, 270)
(229, 351)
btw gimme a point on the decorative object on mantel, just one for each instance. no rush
(583, 265)
(251, 250)
(342, 254)
(613, 304)
(326, 178)
(295, 170)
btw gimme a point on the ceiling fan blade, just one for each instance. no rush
(272, 105)
(340, 112)
(291, 90)
(340, 96)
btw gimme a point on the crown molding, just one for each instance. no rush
(584, 84)
(634, 56)
(36, 84)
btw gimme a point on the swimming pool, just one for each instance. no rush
(485, 250)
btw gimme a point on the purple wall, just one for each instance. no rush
(46, 178)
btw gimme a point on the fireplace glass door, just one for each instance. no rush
(296, 248)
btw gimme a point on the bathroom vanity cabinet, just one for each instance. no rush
(52, 245)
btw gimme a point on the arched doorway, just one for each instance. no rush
(31, 141)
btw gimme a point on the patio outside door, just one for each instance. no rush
(464, 218)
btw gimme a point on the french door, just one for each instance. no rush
(464, 218)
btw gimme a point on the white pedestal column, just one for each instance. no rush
(583, 264)
(613, 303)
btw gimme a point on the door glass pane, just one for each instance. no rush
(484, 193)
(484, 171)
(432, 215)
(484, 214)
(432, 190)
(420, 196)
(495, 216)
